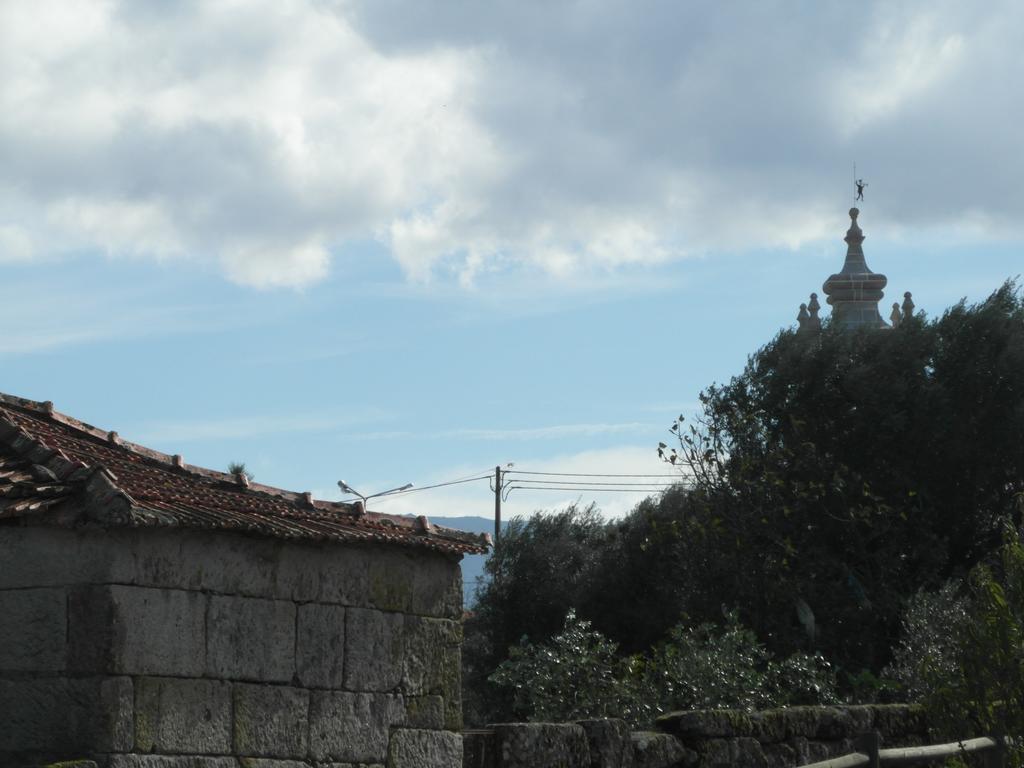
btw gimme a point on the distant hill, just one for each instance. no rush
(472, 565)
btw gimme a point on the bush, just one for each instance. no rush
(579, 674)
(984, 691)
(931, 632)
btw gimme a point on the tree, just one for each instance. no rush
(841, 472)
(983, 691)
(832, 479)
(540, 570)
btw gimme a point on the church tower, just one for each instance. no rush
(854, 291)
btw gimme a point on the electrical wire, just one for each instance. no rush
(430, 487)
(576, 474)
(591, 482)
(509, 488)
(527, 482)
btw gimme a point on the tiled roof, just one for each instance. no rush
(47, 459)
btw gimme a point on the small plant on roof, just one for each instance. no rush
(237, 468)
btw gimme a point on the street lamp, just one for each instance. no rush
(346, 488)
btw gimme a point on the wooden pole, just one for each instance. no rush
(868, 744)
(497, 504)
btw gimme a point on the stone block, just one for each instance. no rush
(48, 715)
(136, 630)
(437, 589)
(815, 722)
(451, 688)
(43, 557)
(344, 575)
(263, 762)
(609, 742)
(782, 755)
(183, 716)
(392, 577)
(706, 723)
(541, 745)
(320, 646)
(374, 650)
(660, 750)
(769, 725)
(170, 761)
(298, 571)
(894, 721)
(737, 752)
(250, 639)
(116, 731)
(33, 630)
(424, 712)
(352, 727)
(424, 749)
(270, 720)
(427, 659)
(231, 563)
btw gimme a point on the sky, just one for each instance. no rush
(393, 242)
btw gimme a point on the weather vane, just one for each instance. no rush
(860, 184)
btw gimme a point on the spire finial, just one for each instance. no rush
(855, 290)
(908, 306)
(814, 322)
(895, 317)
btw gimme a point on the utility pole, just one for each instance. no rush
(497, 503)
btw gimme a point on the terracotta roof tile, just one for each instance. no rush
(47, 458)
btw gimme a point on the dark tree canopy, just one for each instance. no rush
(835, 476)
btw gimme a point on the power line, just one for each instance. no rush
(436, 485)
(589, 482)
(633, 489)
(577, 474)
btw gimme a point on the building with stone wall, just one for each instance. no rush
(158, 615)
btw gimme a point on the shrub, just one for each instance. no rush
(578, 674)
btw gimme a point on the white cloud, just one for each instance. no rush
(245, 427)
(907, 58)
(550, 432)
(572, 142)
(262, 265)
(15, 244)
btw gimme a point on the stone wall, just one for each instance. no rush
(174, 649)
(780, 738)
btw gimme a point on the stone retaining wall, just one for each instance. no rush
(173, 649)
(780, 738)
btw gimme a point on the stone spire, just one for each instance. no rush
(854, 291)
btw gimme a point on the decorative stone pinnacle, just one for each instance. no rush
(854, 291)
(908, 306)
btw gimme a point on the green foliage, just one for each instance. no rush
(842, 472)
(574, 675)
(931, 633)
(984, 692)
(836, 477)
(237, 468)
(578, 674)
(713, 666)
(543, 566)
